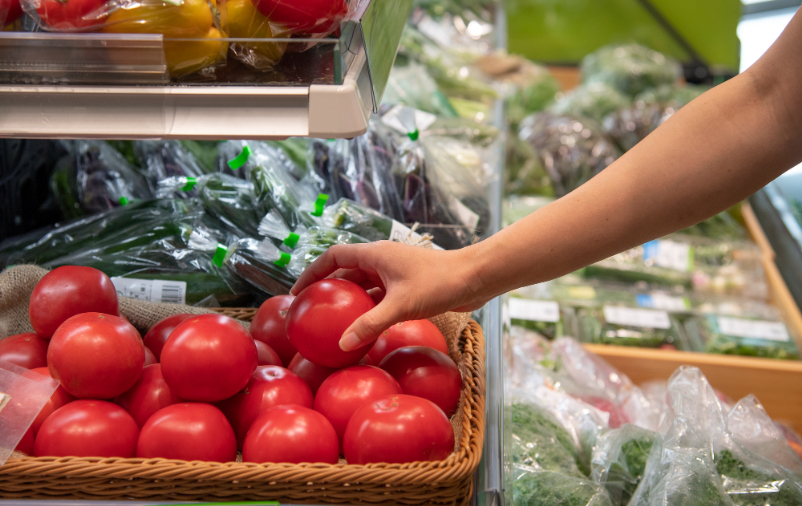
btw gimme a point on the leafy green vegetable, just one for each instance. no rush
(540, 441)
(630, 68)
(625, 474)
(748, 487)
(594, 101)
(594, 328)
(545, 488)
(706, 334)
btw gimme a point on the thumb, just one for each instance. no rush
(368, 327)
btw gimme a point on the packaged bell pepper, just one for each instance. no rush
(10, 11)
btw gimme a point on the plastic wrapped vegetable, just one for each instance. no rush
(619, 460)
(164, 159)
(572, 150)
(593, 100)
(533, 487)
(630, 68)
(94, 178)
(672, 94)
(739, 336)
(312, 241)
(110, 231)
(245, 21)
(10, 12)
(411, 85)
(205, 153)
(625, 326)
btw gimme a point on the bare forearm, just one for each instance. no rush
(712, 154)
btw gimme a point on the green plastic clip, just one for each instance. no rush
(283, 260)
(220, 255)
(320, 203)
(292, 239)
(240, 160)
(414, 135)
(191, 182)
(124, 201)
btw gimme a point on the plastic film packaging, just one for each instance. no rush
(593, 100)
(191, 28)
(631, 326)
(619, 460)
(572, 150)
(93, 178)
(731, 335)
(23, 394)
(164, 159)
(630, 68)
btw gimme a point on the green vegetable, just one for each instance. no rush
(205, 153)
(594, 329)
(706, 335)
(544, 488)
(748, 487)
(624, 475)
(594, 101)
(363, 221)
(540, 441)
(629, 68)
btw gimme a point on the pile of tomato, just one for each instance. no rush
(202, 387)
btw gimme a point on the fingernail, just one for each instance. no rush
(350, 342)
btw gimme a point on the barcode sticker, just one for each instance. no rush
(669, 254)
(662, 301)
(166, 292)
(647, 318)
(753, 329)
(400, 232)
(534, 310)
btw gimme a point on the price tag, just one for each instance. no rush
(631, 317)
(399, 233)
(669, 254)
(166, 292)
(662, 301)
(753, 329)
(534, 310)
(582, 292)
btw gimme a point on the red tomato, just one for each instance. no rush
(319, 316)
(25, 444)
(208, 358)
(313, 375)
(72, 15)
(68, 291)
(617, 417)
(87, 428)
(398, 429)
(284, 433)
(313, 16)
(347, 390)
(428, 373)
(59, 398)
(158, 334)
(149, 394)
(150, 358)
(270, 386)
(188, 431)
(411, 333)
(265, 355)
(10, 11)
(269, 325)
(96, 356)
(25, 350)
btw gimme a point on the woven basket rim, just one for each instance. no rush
(458, 467)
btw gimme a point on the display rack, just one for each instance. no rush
(117, 86)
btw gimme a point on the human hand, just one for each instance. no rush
(407, 283)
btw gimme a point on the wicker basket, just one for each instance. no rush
(445, 482)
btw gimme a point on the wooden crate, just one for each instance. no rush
(777, 383)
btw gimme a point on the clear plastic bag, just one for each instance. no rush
(594, 100)
(182, 24)
(630, 68)
(164, 159)
(412, 86)
(94, 178)
(572, 150)
(533, 487)
(10, 12)
(619, 460)
(740, 336)
(631, 326)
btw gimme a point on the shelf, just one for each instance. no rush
(117, 86)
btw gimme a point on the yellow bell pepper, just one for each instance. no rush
(191, 19)
(244, 21)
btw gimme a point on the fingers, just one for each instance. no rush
(336, 257)
(370, 325)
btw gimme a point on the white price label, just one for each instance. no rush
(400, 232)
(166, 292)
(468, 218)
(647, 318)
(662, 301)
(753, 329)
(534, 310)
(669, 254)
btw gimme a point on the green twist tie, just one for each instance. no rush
(283, 260)
(292, 239)
(414, 135)
(240, 160)
(320, 203)
(124, 201)
(191, 182)
(220, 255)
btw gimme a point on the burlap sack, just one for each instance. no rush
(17, 283)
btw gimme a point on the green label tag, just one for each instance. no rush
(240, 160)
(283, 260)
(124, 201)
(320, 203)
(414, 135)
(190, 184)
(292, 239)
(220, 255)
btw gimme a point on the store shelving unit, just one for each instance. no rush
(117, 86)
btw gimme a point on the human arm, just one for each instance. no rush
(713, 153)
